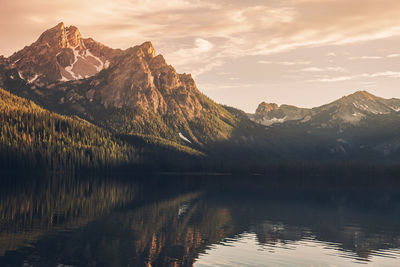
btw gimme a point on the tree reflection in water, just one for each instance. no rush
(171, 221)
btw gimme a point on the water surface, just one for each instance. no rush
(171, 220)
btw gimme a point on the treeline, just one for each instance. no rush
(32, 137)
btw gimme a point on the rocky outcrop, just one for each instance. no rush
(268, 114)
(61, 54)
(145, 80)
(265, 107)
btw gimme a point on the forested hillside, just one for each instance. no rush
(32, 137)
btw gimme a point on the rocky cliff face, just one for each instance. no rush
(129, 92)
(61, 54)
(268, 114)
(145, 80)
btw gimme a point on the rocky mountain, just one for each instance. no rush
(268, 114)
(137, 96)
(132, 91)
(61, 54)
(348, 110)
(355, 108)
(359, 126)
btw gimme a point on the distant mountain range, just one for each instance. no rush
(137, 97)
(352, 109)
(359, 126)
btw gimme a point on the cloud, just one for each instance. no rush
(375, 57)
(315, 69)
(235, 28)
(389, 74)
(200, 47)
(285, 63)
(334, 79)
(198, 54)
(384, 74)
(366, 57)
(393, 55)
(205, 68)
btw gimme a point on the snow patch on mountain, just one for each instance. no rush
(83, 60)
(357, 114)
(63, 79)
(70, 67)
(273, 121)
(20, 75)
(99, 66)
(184, 138)
(34, 78)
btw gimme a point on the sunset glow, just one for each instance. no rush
(300, 52)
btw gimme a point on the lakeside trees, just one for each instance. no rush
(32, 137)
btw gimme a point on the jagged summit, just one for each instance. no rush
(148, 49)
(64, 37)
(62, 54)
(266, 107)
(271, 113)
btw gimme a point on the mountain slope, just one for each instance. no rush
(359, 126)
(355, 108)
(348, 110)
(32, 137)
(138, 92)
(35, 137)
(138, 99)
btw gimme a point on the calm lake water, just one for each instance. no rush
(171, 220)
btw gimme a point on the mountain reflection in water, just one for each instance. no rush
(193, 220)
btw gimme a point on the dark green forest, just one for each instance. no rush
(34, 138)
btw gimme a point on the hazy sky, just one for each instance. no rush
(301, 52)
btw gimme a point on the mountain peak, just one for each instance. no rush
(54, 36)
(61, 36)
(60, 26)
(148, 49)
(266, 107)
(362, 95)
(73, 36)
(62, 54)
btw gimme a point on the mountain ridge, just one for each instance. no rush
(349, 109)
(132, 91)
(139, 98)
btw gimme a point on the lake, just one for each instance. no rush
(200, 220)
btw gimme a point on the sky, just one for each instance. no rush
(298, 52)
